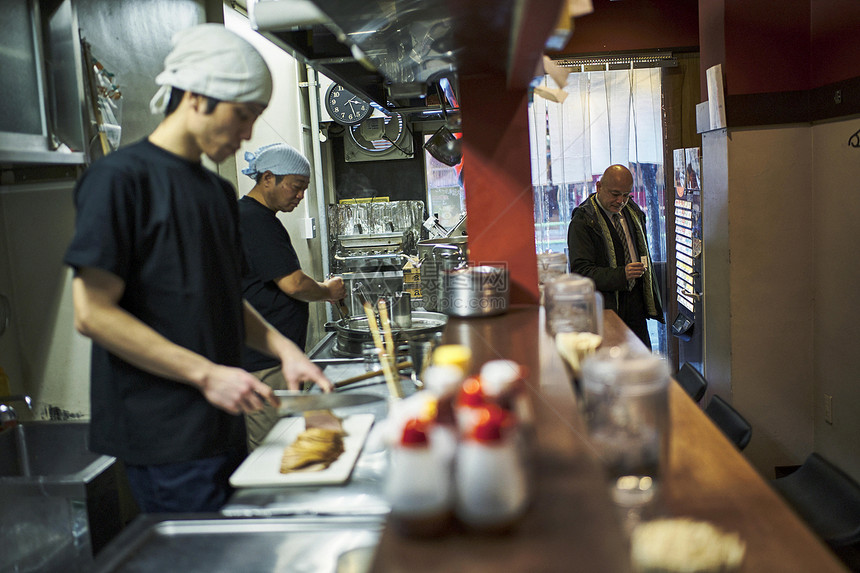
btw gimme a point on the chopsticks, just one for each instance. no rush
(391, 376)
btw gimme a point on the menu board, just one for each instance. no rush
(688, 228)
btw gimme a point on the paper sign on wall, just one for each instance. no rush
(716, 97)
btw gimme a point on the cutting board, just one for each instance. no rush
(263, 467)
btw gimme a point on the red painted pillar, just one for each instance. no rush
(497, 179)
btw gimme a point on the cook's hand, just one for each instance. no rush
(236, 391)
(336, 288)
(634, 270)
(298, 368)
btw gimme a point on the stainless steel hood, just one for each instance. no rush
(394, 52)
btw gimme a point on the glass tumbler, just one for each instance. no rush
(551, 265)
(370, 354)
(572, 304)
(625, 400)
(421, 347)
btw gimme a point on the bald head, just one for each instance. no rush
(614, 188)
(618, 174)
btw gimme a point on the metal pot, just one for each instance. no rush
(434, 256)
(475, 291)
(352, 332)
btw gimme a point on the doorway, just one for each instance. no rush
(607, 117)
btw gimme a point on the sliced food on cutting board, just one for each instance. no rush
(323, 420)
(262, 468)
(318, 446)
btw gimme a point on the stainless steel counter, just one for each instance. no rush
(285, 529)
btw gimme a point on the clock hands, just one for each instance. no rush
(345, 107)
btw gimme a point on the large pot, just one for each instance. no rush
(475, 291)
(352, 332)
(435, 256)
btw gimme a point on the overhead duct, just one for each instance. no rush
(395, 52)
(285, 14)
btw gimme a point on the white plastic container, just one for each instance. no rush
(418, 485)
(502, 381)
(491, 483)
(444, 382)
(470, 403)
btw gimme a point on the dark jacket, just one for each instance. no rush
(589, 256)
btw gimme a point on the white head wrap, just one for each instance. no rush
(279, 158)
(211, 60)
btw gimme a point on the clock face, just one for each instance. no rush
(344, 106)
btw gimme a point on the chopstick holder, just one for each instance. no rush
(386, 328)
(390, 376)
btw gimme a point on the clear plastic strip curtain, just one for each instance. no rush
(608, 117)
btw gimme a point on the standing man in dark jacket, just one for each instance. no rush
(606, 243)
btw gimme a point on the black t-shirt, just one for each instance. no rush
(169, 229)
(270, 256)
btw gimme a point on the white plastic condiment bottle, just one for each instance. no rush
(443, 382)
(456, 355)
(418, 486)
(491, 484)
(503, 382)
(469, 405)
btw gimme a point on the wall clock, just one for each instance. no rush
(344, 106)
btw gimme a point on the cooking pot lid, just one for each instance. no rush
(421, 321)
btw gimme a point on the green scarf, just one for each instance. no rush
(641, 246)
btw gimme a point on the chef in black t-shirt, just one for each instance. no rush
(158, 284)
(275, 284)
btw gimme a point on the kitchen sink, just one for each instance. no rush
(215, 544)
(59, 502)
(55, 452)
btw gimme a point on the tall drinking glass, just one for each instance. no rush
(421, 347)
(574, 317)
(550, 266)
(625, 395)
(573, 305)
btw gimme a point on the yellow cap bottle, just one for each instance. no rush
(453, 355)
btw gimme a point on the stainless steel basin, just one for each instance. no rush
(49, 451)
(58, 501)
(223, 545)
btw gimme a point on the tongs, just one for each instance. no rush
(341, 307)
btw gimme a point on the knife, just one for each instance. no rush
(292, 401)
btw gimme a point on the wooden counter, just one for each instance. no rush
(572, 525)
